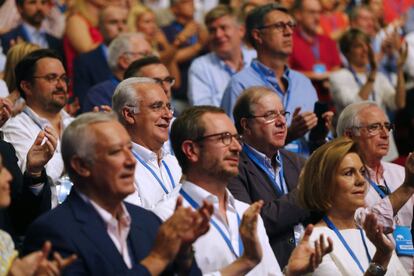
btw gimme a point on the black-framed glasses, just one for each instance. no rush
(279, 26)
(54, 78)
(271, 116)
(375, 128)
(167, 80)
(225, 137)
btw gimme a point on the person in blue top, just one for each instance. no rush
(269, 29)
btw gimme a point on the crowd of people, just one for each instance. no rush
(191, 137)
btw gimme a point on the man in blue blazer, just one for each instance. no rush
(30, 30)
(108, 236)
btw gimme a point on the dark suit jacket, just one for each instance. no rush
(75, 227)
(279, 214)
(89, 69)
(54, 43)
(25, 206)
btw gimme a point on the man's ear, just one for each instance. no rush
(245, 125)
(82, 168)
(191, 150)
(256, 36)
(26, 87)
(128, 115)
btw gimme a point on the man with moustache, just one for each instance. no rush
(42, 82)
(33, 13)
(266, 171)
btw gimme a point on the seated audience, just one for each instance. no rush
(108, 236)
(42, 82)
(92, 67)
(207, 146)
(145, 111)
(123, 50)
(209, 74)
(333, 183)
(368, 126)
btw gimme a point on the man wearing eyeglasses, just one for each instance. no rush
(123, 50)
(366, 123)
(42, 82)
(145, 110)
(269, 29)
(266, 171)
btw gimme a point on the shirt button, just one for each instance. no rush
(291, 240)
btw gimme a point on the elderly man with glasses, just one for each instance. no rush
(145, 110)
(123, 50)
(266, 171)
(366, 123)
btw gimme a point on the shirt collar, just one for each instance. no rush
(146, 154)
(32, 30)
(42, 122)
(263, 158)
(198, 194)
(267, 71)
(124, 217)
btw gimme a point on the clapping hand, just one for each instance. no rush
(41, 151)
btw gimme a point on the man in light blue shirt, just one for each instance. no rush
(209, 74)
(269, 29)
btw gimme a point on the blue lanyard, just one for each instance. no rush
(316, 50)
(215, 224)
(114, 80)
(375, 186)
(34, 119)
(154, 174)
(283, 95)
(279, 190)
(359, 82)
(341, 238)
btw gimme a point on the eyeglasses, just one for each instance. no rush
(157, 107)
(279, 26)
(225, 137)
(271, 116)
(54, 78)
(139, 54)
(167, 80)
(374, 129)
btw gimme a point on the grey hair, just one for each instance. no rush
(126, 95)
(349, 117)
(119, 46)
(78, 140)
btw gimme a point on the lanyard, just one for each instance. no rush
(215, 224)
(154, 174)
(359, 82)
(345, 244)
(377, 189)
(316, 50)
(283, 95)
(114, 80)
(33, 118)
(279, 187)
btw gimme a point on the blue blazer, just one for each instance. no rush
(75, 227)
(54, 43)
(89, 69)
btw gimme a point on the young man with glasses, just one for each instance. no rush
(266, 171)
(145, 110)
(269, 30)
(42, 82)
(123, 50)
(367, 124)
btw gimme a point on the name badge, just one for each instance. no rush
(403, 241)
(319, 68)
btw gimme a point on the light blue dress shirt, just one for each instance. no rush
(209, 75)
(36, 36)
(300, 93)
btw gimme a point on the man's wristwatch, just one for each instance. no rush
(376, 269)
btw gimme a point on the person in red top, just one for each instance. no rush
(313, 54)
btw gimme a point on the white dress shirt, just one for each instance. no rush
(21, 131)
(149, 192)
(211, 251)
